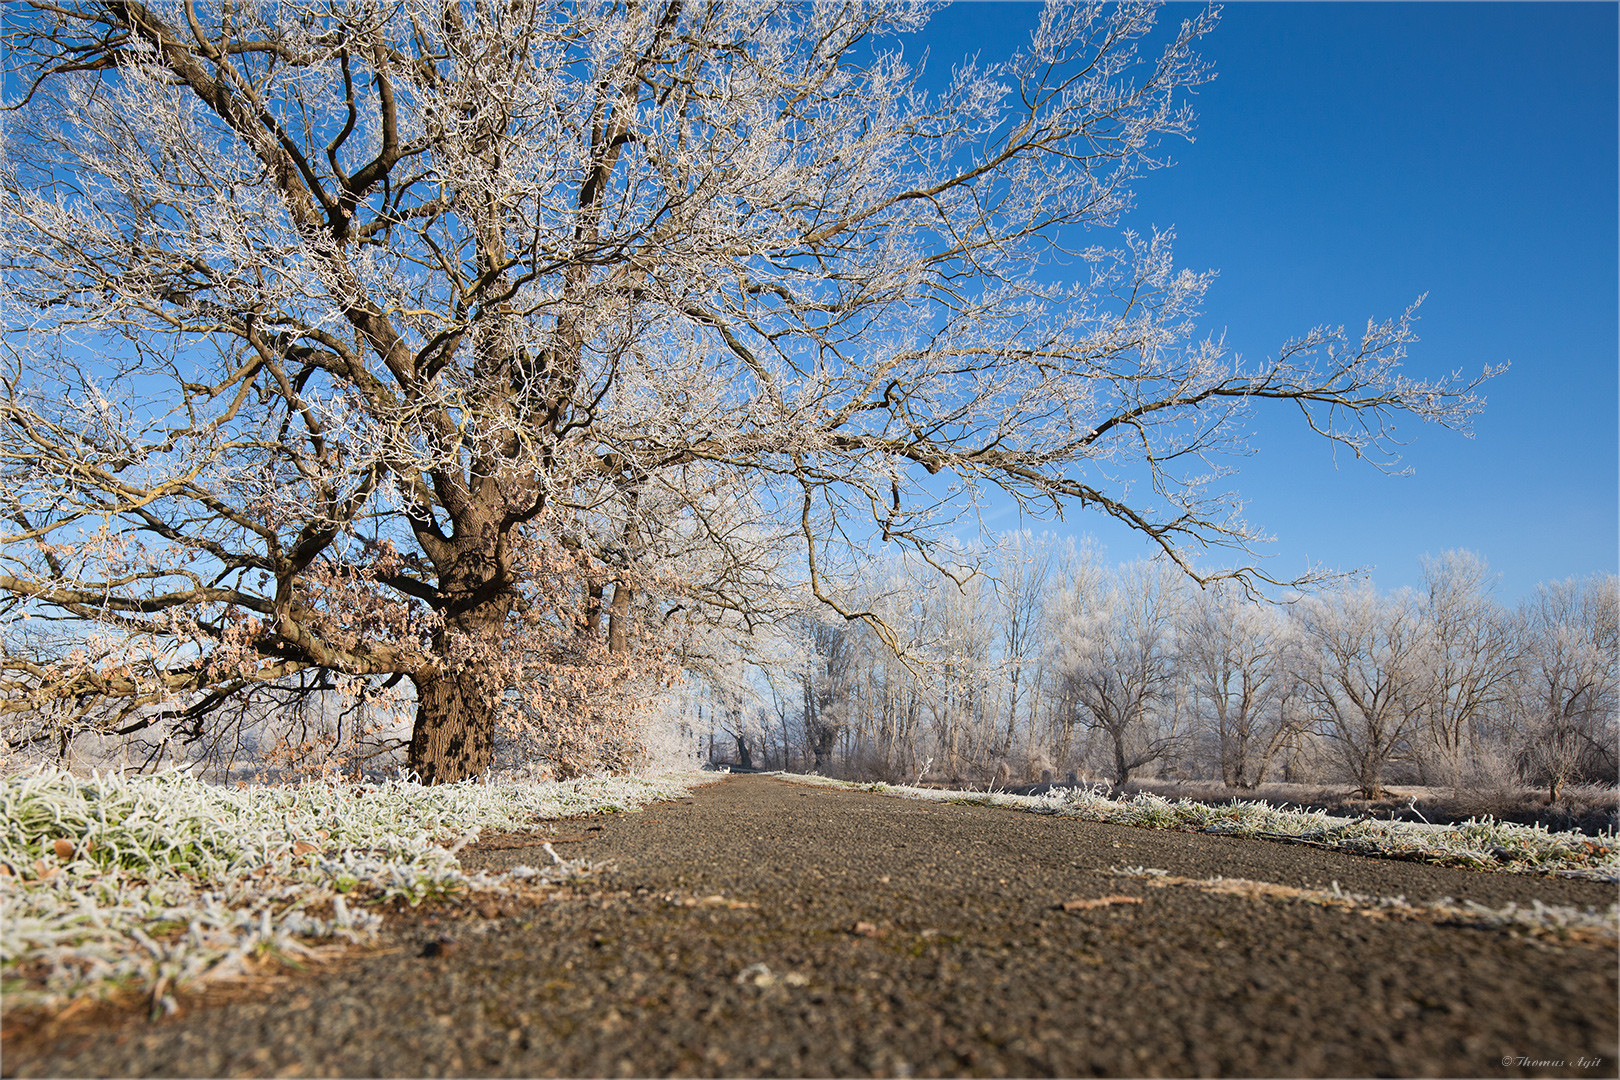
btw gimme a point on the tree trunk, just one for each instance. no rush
(1122, 766)
(593, 609)
(454, 736)
(1004, 747)
(745, 760)
(822, 747)
(456, 708)
(1372, 776)
(619, 619)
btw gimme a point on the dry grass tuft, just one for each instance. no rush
(1545, 922)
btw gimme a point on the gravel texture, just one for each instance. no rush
(765, 928)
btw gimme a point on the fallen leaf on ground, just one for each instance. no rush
(713, 901)
(1101, 901)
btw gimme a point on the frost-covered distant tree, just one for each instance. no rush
(826, 675)
(954, 663)
(1363, 674)
(896, 684)
(782, 690)
(345, 337)
(1023, 576)
(1467, 658)
(1076, 583)
(721, 680)
(1116, 657)
(1236, 656)
(1567, 684)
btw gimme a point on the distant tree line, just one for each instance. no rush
(1051, 666)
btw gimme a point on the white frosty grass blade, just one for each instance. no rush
(160, 881)
(1476, 845)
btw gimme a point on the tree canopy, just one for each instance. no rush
(463, 346)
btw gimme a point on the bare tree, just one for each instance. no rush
(824, 683)
(1567, 686)
(1023, 576)
(1362, 676)
(897, 687)
(783, 688)
(1467, 656)
(1236, 656)
(1077, 579)
(338, 333)
(1118, 661)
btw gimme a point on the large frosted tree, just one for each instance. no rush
(347, 337)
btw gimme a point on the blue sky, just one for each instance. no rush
(1350, 157)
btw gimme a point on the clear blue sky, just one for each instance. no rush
(1350, 157)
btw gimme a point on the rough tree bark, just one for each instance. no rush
(451, 739)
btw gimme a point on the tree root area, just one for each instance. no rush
(765, 928)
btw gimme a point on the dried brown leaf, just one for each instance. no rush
(1101, 901)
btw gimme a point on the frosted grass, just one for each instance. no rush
(1479, 844)
(157, 882)
(1550, 922)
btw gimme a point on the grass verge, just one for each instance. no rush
(156, 883)
(1478, 844)
(1554, 923)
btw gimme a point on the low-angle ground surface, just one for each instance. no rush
(766, 928)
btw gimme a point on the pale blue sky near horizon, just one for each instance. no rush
(1350, 157)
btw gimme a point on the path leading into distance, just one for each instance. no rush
(765, 928)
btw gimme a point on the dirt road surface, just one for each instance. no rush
(766, 928)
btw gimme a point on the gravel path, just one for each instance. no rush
(765, 928)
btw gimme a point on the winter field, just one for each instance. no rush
(120, 884)
(451, 419)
